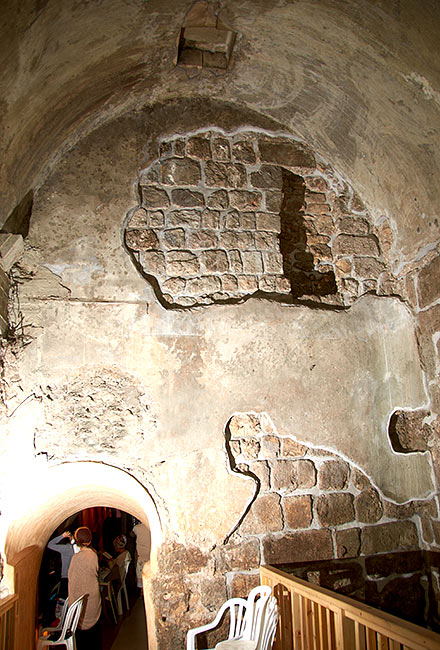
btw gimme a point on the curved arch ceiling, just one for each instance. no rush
(358, 81)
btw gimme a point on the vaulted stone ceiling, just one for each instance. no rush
(358, 81)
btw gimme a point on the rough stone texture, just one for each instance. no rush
(291, 475)
(78, 120)
(297, 511)
(238, 556)
(368, 506)
(428, 286)
(285, 232)
(265, 515)
(298, 547)
(348, 542)
(387, 537)
(333, 475)
(334, 509)
(407, 431)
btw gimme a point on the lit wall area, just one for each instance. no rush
(220, 297)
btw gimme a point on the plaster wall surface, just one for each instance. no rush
(357, 80)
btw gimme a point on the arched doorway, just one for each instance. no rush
(61, 491)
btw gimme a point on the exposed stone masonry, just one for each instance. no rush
(320, 515)
(226, 216)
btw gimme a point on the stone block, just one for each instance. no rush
(174, 238)
(270, 446)
(202, 239)
(297, 511)
(293, 474)
(348, 542)
(266, 241)
(260, 469)
(231, 221)
(368, 506)
(268, 222)
(180, 171)
(359, 479)
(248, 220)
(229, 282)
(141, 240)
(334, 475)
(187, 198)
(244, 425)
(334, 509)
(165, 149)
(245, 199)
(252, 262)
(218, 200)
(191, 218)
(235, 261)
(408, 432)
(240, 240)
(214, 261)
(273, 200)
(179, 147)
(393, 536)
(247, 283)
(138, 219)
(154, 197)
(182, 263)
(220, 174)
(268, 177)
(250, 449)
(367, 267)
(353, 226)
(243, 151)
(221, 150)
(301, 546)
(316, 183)
(153, 262)
(198, 147)
(283, 285)
(210, 219)
(203, 285)
(156, 218)
(286, 153)
(272, 262)
(317, 208)
(356, 245)
(428, 285)
(174, 286)
(264, 516)
(324, 225)
(238, 556)
(290, 447)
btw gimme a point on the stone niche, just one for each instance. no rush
(224, 216)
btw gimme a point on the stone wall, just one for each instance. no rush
(225, 216)
(313, 513)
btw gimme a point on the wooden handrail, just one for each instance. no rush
(315, 618)
(8, 615)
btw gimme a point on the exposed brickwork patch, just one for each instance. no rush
(252, 213)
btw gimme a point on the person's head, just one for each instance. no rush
(83, 536)
(119, 543)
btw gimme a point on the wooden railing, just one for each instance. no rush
(8, 616)
(314, 618)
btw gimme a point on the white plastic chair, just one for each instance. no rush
(123, 589)
(66, 636)
(245, 619)
(57, 628)
(263, 632)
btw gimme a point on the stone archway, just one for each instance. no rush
(59, 492)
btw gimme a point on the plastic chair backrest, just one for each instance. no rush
(255, 606)
(268, 624)
(72, 618)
